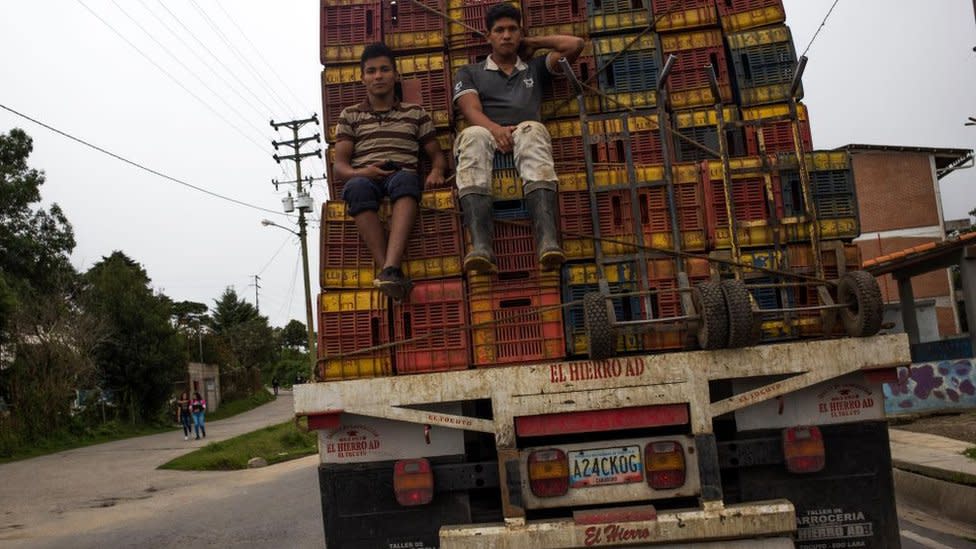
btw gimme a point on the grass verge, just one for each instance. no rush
(970, 453)
(276, 443)
(234, 407)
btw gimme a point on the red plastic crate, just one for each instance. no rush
(336, 97)
(617, 224)
(345, 30)
(359, 323)
(519, 330)
(645, 147)
(435, 307)
(689, 73)
(559, 98)
(567, 151)
(575, 218)
(414, 28)
(778, 137)
(471, 13)
(434, 95)
(543, 13)
(437, 233)
(691, 216)
(749, 203)
(662, 276)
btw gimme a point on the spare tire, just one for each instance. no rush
(601, 340)
(713, 322)
(865, 310)
(742, 330)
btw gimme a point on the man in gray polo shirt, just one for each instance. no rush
(502, 97)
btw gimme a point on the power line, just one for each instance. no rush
(820, 28)
(220, 34)
(268, 264)
(261, 56)
(218, 59)
(187, 69)
(200, 58)
(136, 164)
(171, 77)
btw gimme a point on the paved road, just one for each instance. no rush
(113, 495)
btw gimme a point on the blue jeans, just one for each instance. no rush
(198, 427)
(185, 420)
(362, 194)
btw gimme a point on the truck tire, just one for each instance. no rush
(713, 323)
(864, 311)
(601, 340)
(742, 332)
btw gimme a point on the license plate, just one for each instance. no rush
(603, 466)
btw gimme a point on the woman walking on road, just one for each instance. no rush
(199, 407)
(183, 413)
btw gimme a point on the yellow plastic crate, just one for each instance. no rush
(588, 274)
(772, 111)
(699, 97)
(751, 19)
(818, 161)
(691, 40)
(351, 300)
(609, 45)
(418, 40)
(634, 100)
(676, 20)
(618, 21)
(356, 368)
(760, 37)
(704, 117)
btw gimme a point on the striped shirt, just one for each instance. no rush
(378, 136)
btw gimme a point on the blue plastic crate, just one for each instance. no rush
(765, 65)
(769, 298)
(631, 71)
(503, 161)
(833, 193)
(510, 209)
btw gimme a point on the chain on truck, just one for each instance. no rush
(706, 370)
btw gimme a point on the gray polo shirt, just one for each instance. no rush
(506, 100)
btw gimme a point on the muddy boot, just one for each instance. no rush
(544, 211)
(478, 221)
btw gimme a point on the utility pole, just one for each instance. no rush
(304, 203)
(257, 286)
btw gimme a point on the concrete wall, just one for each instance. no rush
(931, 386)
(925, 311)
(205, 379)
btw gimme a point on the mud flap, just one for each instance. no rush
(851, 503)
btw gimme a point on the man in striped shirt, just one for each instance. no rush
(377, 143)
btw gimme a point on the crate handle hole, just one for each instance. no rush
(515, 303)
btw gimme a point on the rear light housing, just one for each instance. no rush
(664, 464)
(413, 482)
(803, 449)
(548, 473)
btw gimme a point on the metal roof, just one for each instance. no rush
(946, 160)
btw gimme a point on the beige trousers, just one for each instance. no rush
(475, 149)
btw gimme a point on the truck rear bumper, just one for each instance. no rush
(775, 521)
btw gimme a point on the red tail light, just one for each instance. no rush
(803, 448)
(664, 463)
(548, 473)
(413, 482)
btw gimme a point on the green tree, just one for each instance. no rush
(34, 243)
(249, 339)
(294, 335)
(143, 354)
(230, 310)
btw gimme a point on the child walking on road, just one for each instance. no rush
(183, 413)
(199, 407)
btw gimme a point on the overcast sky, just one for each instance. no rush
(894, 72)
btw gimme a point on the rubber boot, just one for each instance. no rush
(478, 221)
(543, 210)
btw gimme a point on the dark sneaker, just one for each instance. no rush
(392, 282)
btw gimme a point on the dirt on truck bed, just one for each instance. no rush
(960, 426)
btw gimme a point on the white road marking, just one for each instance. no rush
(931, 544)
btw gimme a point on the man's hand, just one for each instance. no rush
(503, 137)
(434, 179)
(374, 172)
